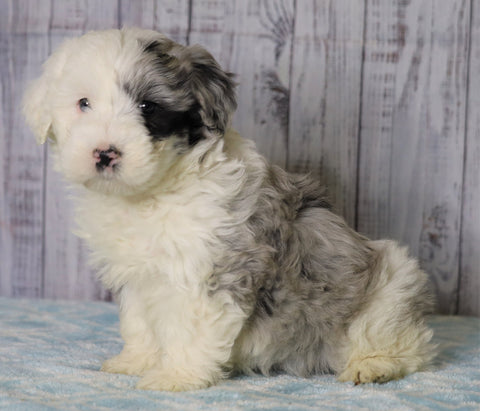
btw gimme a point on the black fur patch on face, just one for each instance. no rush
(180, 91)
(157, 88)
(163, 122)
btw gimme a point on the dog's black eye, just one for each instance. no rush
(83, 104)
(147, 107)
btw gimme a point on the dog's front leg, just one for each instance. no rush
(141, 350)
(198, 342)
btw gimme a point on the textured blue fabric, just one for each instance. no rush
(51, 352)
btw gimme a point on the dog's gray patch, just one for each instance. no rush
(189, 94)
(297, 270)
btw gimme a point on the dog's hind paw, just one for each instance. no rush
(377, 369)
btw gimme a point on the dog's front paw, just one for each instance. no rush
(172, 380)
(118, 365)
(128, 363)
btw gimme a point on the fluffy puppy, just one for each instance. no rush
(220, 261)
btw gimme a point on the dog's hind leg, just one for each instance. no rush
(409, 351)
(388, 338)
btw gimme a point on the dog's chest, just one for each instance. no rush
(165, 239)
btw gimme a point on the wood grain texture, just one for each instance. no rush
(23, 49)
(171, 17)
(412, 135)
(252, 39)
(325, 96)
(6, 230)
(469, 289)
(378, 98)
(73, 18)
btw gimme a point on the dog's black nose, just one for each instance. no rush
(106, 158)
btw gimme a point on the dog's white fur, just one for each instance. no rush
(157, 227)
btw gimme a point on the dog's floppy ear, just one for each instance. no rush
(37, 102)
(211, 86)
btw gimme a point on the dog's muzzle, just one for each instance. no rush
(106, 159)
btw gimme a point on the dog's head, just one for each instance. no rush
(122, 107)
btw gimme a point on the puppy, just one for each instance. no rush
(220, 262)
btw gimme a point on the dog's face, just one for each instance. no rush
(122, 107)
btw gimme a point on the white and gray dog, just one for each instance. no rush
(221, 263)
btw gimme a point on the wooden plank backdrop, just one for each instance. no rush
(379, 99)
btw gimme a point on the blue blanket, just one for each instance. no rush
(51, 352)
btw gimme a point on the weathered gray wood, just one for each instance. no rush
(170, 17)
(411, 156)
(253, 39)
(67, 274)
(73, 17)
(469, 291)
(303, 98)
(6, 233)
(325, 96)
(23, 47)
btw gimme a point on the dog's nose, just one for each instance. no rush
(106, 158)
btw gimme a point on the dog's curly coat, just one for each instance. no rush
(220, 261)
